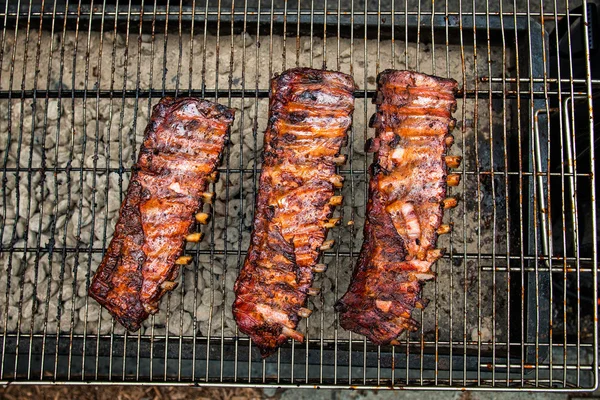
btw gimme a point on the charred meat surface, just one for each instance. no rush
(407, 195)
(310, 112)
(181, 150)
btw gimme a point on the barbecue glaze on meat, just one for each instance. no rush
(178, 159)
(407, 195)
(310, 112)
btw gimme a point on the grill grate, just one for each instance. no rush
(514, 303)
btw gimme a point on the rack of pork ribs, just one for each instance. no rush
(310, 113)
(407, 196)
(182, 147)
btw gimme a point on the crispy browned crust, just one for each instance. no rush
(182, 146)
(309, 116)
(404, 211)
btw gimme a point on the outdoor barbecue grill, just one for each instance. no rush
(514, 304)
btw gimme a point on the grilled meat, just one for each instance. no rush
(309, 116)
(181, 150)
(407, 195)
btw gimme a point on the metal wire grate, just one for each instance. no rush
(514, 303)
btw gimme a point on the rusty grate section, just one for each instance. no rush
(514, 304)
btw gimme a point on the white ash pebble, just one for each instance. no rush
(67, 289)
(157, 331)
(188, 301)
(92, 313)
(81, 286)
(86, 235)
(230, 278)
(119, 154)
(79, 302)
(27, 309)
(38, 322)
(245, 239)
(10, 214)
(114, 204)
(3, 287)
(40, 191)
(219, 207)
(190, 283)
(27, 292)
(233, 235)
(12, 314)
(120, 329)
(216, 323)
(95, 161)
(217, 268)
(65, 321)
(104, 327)
(54, 109)
(208, 296)
(206, 275)
(229, 299)
(32, 239)
(63, 276)
(20, 228)
(62, 206)
(176, 320)
(94, 131)
(60, 224)
(27, 205)
(203, 327)
(174, 300)
(104, 314)
(42, 289)
(203, 312)
(15, 264)
(160, 318)
(35, 274)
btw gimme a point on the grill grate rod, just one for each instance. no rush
(496, 319)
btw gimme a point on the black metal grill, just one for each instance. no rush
(514, 305)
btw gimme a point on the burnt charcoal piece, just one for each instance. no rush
(407, 196)
(309, 116)
(182, 147)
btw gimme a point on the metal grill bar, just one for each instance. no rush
(514, 304)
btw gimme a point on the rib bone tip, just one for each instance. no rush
(194, 237)
(313, 291)
(452, 124)
(340, 160)
(320, 268)
(453, 161)
(331, 223)
(304, 312)
(336, 200)
(150, 308)
(328, 244)
(291, 333)
(453, 179)
(436, 254)
(202, 218)
(443, 229)
(337, 181)
(213, 177)
(208, 197)
(183, 260)
(449, 202)
(168, 285)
